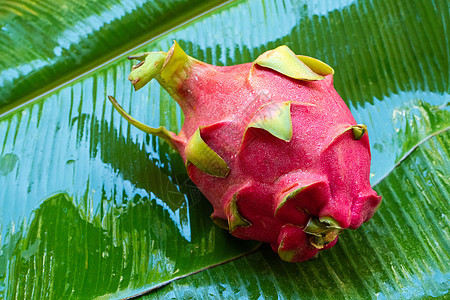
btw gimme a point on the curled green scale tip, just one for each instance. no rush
(293, 192)
(284, 61)
(329, 222)
(318, 226)
(322, 230)
(317, 66)
(288, 197)
(204, 158)
(274, 118)
(234, 217)
(359, 131)
(286, 255)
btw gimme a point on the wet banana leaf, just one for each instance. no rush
(91, 207)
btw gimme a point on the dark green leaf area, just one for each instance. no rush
(60, 254)
(401, 253)
(76, 258)
(44, 43)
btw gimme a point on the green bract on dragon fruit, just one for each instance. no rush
(271, 144)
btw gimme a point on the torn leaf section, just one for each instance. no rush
(234, 218)
(316, 65)
(170, 137)
(284, 61)
(274, 118)
(204, 158)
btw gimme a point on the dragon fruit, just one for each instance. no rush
(270, 144)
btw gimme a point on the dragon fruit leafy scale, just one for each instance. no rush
(270, 144)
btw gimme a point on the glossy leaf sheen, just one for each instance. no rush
(45, 43)
(93, 207)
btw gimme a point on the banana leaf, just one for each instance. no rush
(91, 207)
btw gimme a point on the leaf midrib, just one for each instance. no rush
(409, 152)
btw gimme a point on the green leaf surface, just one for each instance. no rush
(92, 207)
(49, 42)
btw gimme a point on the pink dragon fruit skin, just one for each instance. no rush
(270, 144)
